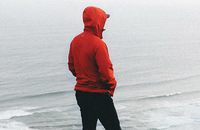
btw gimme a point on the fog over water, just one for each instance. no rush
(154, 46)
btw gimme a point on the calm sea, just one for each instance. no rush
(154, 46)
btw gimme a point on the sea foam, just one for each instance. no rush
(13, 113)
(7, 124)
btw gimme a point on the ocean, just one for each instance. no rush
(154, 46)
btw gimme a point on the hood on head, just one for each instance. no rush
(94, 20)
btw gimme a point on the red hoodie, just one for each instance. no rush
(88, 56)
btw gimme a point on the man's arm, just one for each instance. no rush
(105, 67)
(71, 62)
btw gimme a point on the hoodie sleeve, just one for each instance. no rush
(105, 67)
(71, 62)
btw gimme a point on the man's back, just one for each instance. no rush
(91, 62)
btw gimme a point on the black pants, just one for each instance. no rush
(96, 106)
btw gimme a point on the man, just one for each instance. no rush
(89, 62)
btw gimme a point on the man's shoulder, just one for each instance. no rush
(89, 38)
(77, 36)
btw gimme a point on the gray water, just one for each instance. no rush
(154, 46)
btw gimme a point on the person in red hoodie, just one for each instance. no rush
(89, 62)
